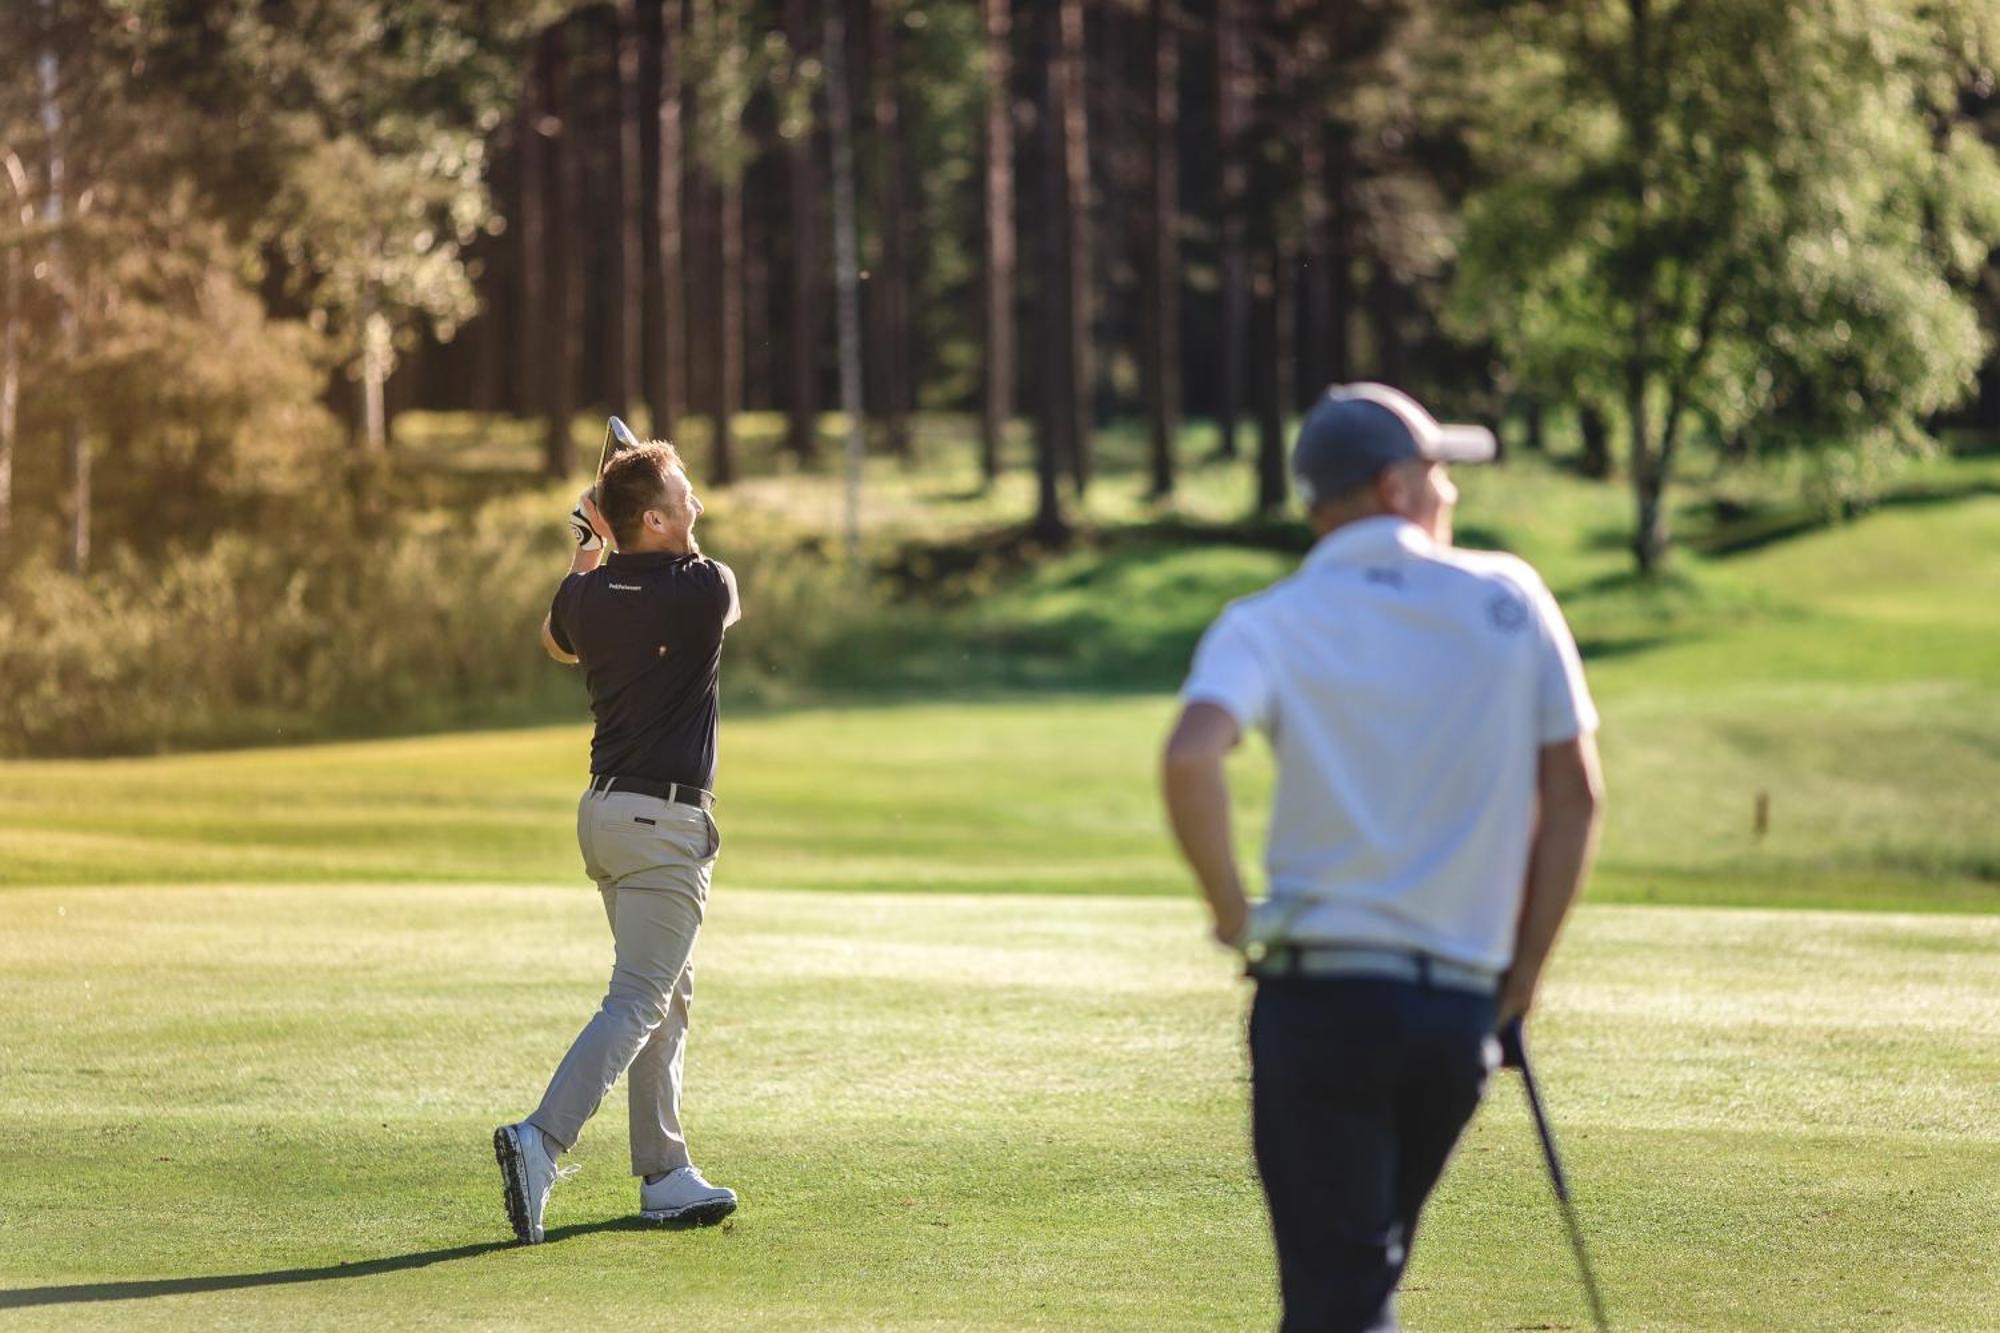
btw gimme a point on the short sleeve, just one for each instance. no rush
(558, 609)
(731, 598)
(1229, 673)
(1563, 707)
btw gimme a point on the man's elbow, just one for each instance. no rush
(1186, 757)
(1571, 782)
(554, 649)
(1584, 806)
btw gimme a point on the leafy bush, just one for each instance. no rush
(356, 624)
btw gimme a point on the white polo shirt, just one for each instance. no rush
(1406, 688)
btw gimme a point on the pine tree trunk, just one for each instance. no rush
(1596, 432)
(565, 329)
(1076, 203)
(729, 336)
(1270, 351)
(375, 350)
(1233, 88)
(759, 240)
(670, 347)
(1274, 283)
(530, 245)
(77, 453)
(76, 447)
(997, 396)
(1315, 326)
(846, 262)
(1274, 182)
(1162, 362)
(1054, 419)
(890, 286)
(802, 187)
(1340, 264)
(10, 391)
(628, 274)
(1385, 300)
(729, 298)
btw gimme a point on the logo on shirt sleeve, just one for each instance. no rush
(1508, 611)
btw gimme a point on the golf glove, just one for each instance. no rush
(579, 524)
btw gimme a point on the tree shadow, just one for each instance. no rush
(85, 1292)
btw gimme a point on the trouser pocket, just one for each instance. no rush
(643, 842)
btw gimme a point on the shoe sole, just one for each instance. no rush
(694, 1215)
(514, 1182)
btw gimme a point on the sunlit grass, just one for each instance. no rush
(987, 1111)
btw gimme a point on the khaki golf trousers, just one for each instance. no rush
(651, 860)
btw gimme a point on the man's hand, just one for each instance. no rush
(1517, 996)
(1266, 923)
(592, 533)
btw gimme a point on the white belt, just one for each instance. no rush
(1348, 960)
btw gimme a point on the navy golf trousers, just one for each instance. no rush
(1359, 1089)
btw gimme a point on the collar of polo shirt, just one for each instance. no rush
(1370, 539)
(647, 559)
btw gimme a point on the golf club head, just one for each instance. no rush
(621, 436)
(618, 437)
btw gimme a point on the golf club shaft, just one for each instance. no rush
(1561, 1183)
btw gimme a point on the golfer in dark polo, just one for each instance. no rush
(647, 627)
(1436, 807)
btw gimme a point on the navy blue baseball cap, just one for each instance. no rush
(1356, 430)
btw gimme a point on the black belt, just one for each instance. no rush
(678, 792)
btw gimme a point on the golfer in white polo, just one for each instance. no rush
(1437, 804)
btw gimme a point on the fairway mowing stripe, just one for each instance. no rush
(1037, 1114)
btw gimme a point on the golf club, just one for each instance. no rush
(1514, 1053)
(618, 437)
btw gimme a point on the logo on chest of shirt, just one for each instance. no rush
(625, 587)
(1507, 611)
(1383, 576)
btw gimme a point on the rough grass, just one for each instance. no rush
(271, 1107)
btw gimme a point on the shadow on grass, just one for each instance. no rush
(86, 1292)
(1738, 529)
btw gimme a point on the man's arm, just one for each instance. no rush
(554, 649)
(586, 559)
(734, 612)
(1571, 789)
(1197, 796)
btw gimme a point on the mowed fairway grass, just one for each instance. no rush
(271, 1106)
(959, 1039)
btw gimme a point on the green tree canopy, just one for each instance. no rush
(1766, 214)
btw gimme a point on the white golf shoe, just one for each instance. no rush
(528, 1172)
(684, 1198)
